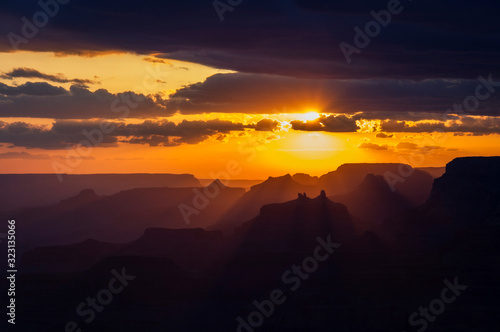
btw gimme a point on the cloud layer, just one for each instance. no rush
(42, 100)
(428, 39)
(251, 93)
(33, 73)
(68, 133)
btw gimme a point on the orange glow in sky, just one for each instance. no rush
(265, 152)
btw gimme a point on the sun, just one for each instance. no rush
(309, 116)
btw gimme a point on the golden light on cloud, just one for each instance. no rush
(368, 126)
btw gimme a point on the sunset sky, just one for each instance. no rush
(268, 88)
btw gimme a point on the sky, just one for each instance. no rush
(247, 88)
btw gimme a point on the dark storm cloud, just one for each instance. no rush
(429, 39)
(68, 133)
(473, 125)
(63, 134)
(376, 98)
(31, 89)
(42, 100)
(252, 93)
(332, 123)
(267, 125)
(167, 133)
(33, 73)
(341, 123)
